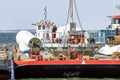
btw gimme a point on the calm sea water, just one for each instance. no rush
(70, 79)
(9, 38)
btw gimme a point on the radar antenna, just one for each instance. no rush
(45, 14)
(118, 7)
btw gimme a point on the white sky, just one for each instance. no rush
(20, 14)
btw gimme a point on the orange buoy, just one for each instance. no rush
(69, 37)
(81, 38)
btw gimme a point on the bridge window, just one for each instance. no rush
(43, 27)
(39, 27)
(116, 21)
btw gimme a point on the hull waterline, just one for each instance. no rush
(67, 70)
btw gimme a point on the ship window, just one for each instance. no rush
(116, 21)
(39, 27)
(48, 27)
(112, 21)
(43, 27)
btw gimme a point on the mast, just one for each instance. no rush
(45, 14)
(118, 7)
(44, 26)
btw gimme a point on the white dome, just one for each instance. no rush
(24, 36)
(67, 27)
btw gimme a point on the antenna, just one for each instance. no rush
(45, 11)
(45, 14)
(118, 7)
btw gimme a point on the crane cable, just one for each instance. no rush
(70, 12)
(78, 16)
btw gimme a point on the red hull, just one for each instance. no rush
(68, 68)
(68, 62)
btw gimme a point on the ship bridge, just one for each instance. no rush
(116, 21)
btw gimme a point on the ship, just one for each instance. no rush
(66, 51)
(4, 63)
